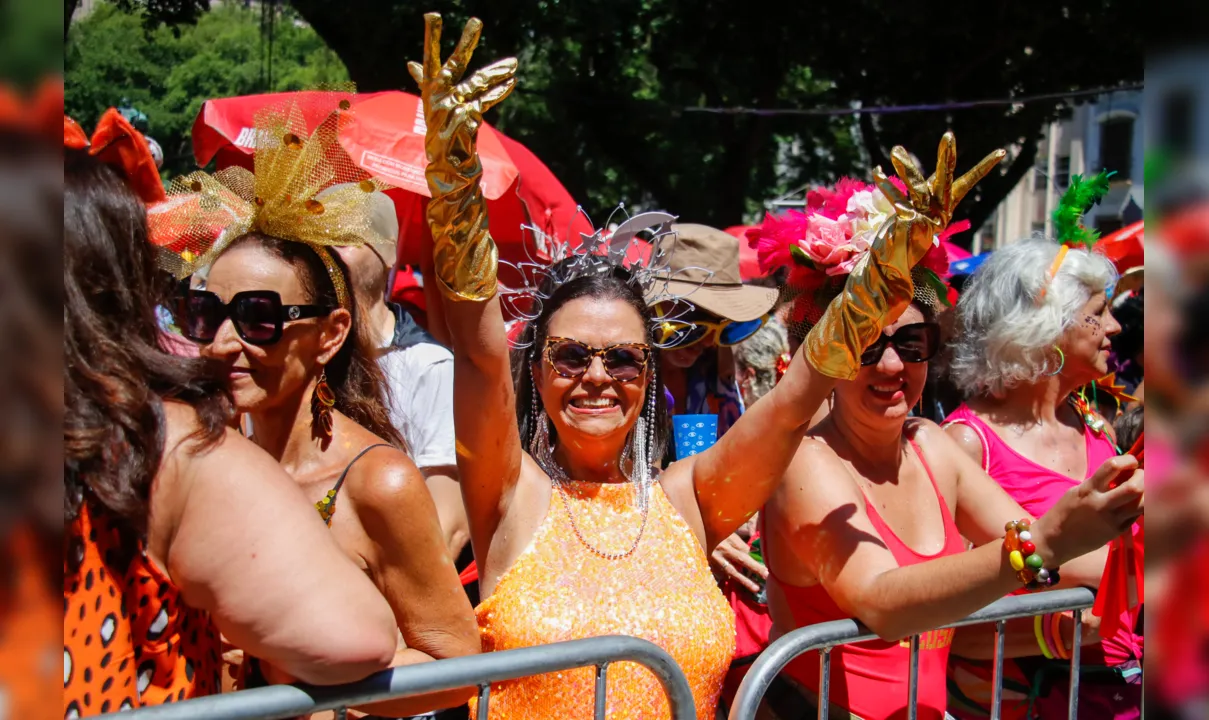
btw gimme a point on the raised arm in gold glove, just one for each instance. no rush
(464, 255)
(879, 288)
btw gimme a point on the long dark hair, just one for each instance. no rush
(116, 374)
(614, 285)
(353, 374)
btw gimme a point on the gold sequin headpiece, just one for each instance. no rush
(205, 213)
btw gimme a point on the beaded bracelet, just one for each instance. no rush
(1039, 631)
(1023, 557)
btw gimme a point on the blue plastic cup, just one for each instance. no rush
(694, 434)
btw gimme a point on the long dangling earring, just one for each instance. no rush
(539, 441)
(323, 399)
(1061, 361)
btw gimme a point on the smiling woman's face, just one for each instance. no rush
(889, 388)
(262, 377)
(593, 406)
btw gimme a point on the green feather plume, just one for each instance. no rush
(1078, 199)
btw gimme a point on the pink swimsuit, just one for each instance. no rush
(1037, 488)
(870, 679)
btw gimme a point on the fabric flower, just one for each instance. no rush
(829, 244)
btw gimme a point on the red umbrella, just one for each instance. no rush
(749, 263)
(384, 135)
(1125, 247)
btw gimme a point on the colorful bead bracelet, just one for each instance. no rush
(1023, 557)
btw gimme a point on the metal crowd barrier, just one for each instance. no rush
(283, 701)
(825, 636)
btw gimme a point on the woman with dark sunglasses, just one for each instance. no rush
(576, 532)
(278, 313)
(176, 527)
(874, 514)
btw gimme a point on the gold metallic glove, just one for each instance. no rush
(464, 255)
(879, 288)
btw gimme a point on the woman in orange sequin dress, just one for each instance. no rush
(575, 531)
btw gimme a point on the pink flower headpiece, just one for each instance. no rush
(822, 244)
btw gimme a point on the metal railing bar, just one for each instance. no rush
(813, 637)
(997, 671)
(601, 690)
(825, 683)
(481, 710)
(913, 680)
(284, 701)
(1076, 658)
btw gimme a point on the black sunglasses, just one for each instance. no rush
(571, 358)
(258, 315)
(915, 343)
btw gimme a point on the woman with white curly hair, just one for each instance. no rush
(1035, 325)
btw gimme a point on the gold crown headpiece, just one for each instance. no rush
(203, 213)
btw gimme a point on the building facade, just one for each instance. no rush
(1107, 134)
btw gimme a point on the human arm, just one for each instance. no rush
(241, 542)
(822, 514)
(414, 572)
(877, 290)
(464, 267)
(433, 447)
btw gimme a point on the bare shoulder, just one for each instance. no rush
(966, 439)
(383, 478)
(815, 462)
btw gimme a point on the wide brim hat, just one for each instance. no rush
(703, 269)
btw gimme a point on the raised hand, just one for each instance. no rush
(927, 207)
(464, 255)
(879, 287)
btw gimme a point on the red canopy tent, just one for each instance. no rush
(1125, 247)
(383, 133)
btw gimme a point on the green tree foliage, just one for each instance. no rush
(112, 57)
(611, 90)
(607, 87)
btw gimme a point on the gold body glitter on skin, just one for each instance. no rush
(558, 589)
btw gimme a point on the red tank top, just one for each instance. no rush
(870, 679)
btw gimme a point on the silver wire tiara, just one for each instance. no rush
(551, 263)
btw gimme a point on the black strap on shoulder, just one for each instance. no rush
(336, 489)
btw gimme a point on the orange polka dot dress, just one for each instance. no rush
(559, 589)
(128, 639)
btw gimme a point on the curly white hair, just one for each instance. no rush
(1005, 334)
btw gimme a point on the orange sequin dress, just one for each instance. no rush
(558, 589)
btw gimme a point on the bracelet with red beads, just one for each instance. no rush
(1023, 557)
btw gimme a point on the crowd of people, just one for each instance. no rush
(274, 474)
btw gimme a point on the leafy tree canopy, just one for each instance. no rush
(113, 60)
(611, 90)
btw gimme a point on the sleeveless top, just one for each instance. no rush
(1036, 488)
(559, 590)
(870, 679)
(129, 640)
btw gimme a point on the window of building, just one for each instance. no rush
(1062, 172)
(1116, 146)
(1176, 126)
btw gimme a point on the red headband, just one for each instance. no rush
(116, 142)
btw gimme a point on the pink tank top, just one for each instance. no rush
(1037, 488)
(870, 679)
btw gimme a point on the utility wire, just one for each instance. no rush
(890, 109)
